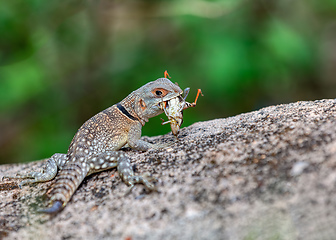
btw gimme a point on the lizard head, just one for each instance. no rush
(150, 96)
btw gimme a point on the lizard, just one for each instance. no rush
(95, 146)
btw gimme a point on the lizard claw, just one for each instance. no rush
(146, 179)
(129, 190)
(8, 177)
(18, 176)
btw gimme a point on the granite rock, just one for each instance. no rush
(267, 174)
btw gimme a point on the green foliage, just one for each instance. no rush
(15, 89)
(61, 62)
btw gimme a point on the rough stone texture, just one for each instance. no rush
(268, 174)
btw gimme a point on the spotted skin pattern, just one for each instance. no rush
(95, 146)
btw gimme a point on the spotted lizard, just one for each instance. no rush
(95, 146)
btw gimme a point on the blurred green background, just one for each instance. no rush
(61, 62)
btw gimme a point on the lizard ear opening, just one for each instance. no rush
(159, 92)
(142, 104)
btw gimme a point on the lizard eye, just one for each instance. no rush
(160, 92)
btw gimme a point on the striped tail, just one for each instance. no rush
(68, 180)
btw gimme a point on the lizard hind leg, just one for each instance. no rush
(120, 160)
(103, 161)
(72, 175)
(126, 173)
(48, 172)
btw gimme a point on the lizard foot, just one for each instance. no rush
(146, 179)
(46, 174)
(28, 178)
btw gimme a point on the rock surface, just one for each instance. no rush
(268, 174)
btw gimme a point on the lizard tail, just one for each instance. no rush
(66, 184)
(55, 208)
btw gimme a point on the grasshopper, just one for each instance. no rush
(174, 107)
